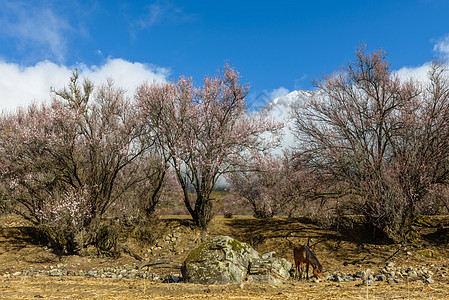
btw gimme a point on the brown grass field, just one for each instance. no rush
(339, 251)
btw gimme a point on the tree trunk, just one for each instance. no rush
(203, 211)
(154, 198)
(400, 230)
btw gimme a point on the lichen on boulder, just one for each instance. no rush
(226, 260)
(269, 270)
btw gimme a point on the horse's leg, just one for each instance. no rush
(301, 266)
(296, 269)
(307, 270)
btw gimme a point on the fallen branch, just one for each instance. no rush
(129, 252)
(391, 256)
(159, 262)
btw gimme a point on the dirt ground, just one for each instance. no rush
(345, 251)
(80, 288)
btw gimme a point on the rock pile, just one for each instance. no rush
(265, 268)
(119, 272)
(390, 273)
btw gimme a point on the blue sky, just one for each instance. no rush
(278, 46)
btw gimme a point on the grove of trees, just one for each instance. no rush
(383, 141)
(367, 143)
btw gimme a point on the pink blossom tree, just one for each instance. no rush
(203, 132)
(382, 139)
(275, 185)
(66, 163)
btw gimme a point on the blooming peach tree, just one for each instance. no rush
(65, 163)
(204, 132)
(275, 185)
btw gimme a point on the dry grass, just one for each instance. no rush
(80, 288)
(19, 250)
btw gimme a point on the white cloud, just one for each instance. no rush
(125, 74)
(20, 86)
(162, 11)
(36, 29)
(418, 74)
(279, 92)
(442, 46)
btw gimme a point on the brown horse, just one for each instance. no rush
(303, 255)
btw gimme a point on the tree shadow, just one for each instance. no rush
(439, 237)
(16, 238)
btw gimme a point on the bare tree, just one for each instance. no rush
(381, 139)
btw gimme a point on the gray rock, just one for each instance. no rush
(381, 277)
(327, 276)
(269, 255)
(55, 272)
(360, 274)
(412, 273)
(429, 280)
(337, 278)
(368, 282)
(390, 265)
(222, 260)
(269, 270)
(226, 260)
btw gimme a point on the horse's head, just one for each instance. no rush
(317, 272)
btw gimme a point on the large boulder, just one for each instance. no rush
(269, 269)
(226, 260)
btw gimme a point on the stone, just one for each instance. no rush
(361, 275)
(226, 260)
(337, 278)
(390, 265)
(55, 272)
(269, 270)
(367, 282)
(222, 260)
(269, 255)
(412, 273)
(327, 276)
(381, 277)
(429, 280)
